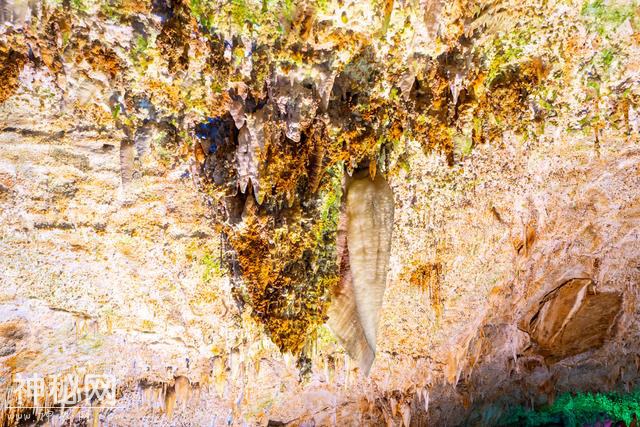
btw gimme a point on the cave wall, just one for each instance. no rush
(134, 240)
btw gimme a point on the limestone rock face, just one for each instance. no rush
(234, 208)
(573, 318)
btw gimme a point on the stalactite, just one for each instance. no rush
(364, 239)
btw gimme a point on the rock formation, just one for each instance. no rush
(316, 213)
(364, 241)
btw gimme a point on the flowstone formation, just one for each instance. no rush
(364, 243)
(192, 191)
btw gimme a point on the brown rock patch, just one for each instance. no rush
(11, 62)
(572, 319)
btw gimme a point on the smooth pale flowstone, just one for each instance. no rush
(345, 324)
(344, 321)
(369, 228)
(367, 225)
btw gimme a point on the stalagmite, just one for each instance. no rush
(364, 240)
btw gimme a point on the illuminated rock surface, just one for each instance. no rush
(175, 210)
(364, 241)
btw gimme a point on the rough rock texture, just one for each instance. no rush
(171, 189)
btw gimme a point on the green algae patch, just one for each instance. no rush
(579, 409)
